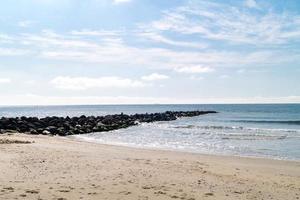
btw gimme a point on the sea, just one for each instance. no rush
(250, 130)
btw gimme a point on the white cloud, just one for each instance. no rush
(6, 39)
(13, 52)
(220, 21)
(26, 23)
(251, 4)
(194, 69)
(121, 1)
(154, 77)
(5, 80)
(196, 77)
(83, 83)
(87, 32)
(104, 51)
(161, 39)
(241, 71)
(214, 21)
(109, 48)
(224, 76)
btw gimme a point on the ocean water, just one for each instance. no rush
(258, 130)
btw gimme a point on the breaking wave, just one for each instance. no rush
(238, 132)
(235, 128)
(291, 122)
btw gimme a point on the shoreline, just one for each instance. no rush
(75, 137)
(66, 168)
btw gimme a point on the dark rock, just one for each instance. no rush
(45, 132)
(40, 130)
(52, 129)
(34, 132)
(61, 131)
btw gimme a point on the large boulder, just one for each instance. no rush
(52, 129)
(46, 132)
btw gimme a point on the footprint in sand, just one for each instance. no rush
(160, 192)
(32, 191)
(10, 141)
(238, 192)
(125, 192)
(64, 190)
(92, 193)
(11, 189)
(146, 187)
(209, 194)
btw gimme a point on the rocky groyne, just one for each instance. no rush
(65, 126)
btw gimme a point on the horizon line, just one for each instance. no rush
(150, 104)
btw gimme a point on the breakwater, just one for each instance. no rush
(65, 126)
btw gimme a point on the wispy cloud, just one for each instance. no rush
(121, 1)
(13, 52)
(26, 23)
(203, 21)
(6, 39)
(219, 21)
(155, 77)
(193, 77)
(251, 4)
(87, 32)
(5, 80)
(83, 83)
(80, 48)
(224, 76)
(194, 69)
(77, 46)
(156, 37)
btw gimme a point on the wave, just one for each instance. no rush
(238, 132)
(237, 128)
(291, 122)
(208, 127)
(252, 137)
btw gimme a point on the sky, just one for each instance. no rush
(149, 51)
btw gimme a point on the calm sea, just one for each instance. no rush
(259, 130)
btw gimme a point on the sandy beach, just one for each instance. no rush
(44, 167)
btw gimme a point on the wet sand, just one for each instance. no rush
(44, 167)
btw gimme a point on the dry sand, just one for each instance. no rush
(63, 168)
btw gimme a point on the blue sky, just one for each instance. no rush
(149, 51)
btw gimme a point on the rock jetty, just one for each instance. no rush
(65, 126)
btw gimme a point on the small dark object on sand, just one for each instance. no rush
(9, 141)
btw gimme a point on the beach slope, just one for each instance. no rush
(44, 167)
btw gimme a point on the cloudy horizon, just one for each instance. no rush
(149, 52)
